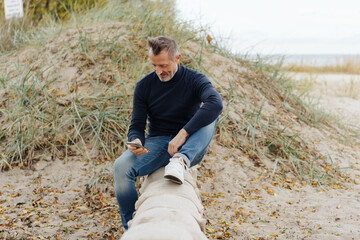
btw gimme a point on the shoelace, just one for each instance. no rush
(181, 161)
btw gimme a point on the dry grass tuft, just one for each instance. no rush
(347, 65)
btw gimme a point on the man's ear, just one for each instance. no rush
(177, 58)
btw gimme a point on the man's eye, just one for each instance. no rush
(160, 66)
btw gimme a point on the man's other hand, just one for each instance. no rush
(136, 150)
(177, 142)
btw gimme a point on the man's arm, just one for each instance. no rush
(211, 108)
(209, 111)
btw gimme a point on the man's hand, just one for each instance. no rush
(177, 142)
(135, 150)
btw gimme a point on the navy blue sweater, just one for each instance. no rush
(173, 105)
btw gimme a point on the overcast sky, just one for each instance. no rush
(280, 26)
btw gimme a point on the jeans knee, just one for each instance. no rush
(123, 164)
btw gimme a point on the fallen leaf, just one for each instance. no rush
(209, 39)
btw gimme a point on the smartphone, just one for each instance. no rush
(137, 145)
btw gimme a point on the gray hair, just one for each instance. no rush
(157, 44)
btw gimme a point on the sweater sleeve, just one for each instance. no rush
(139, 115)
(211, 108)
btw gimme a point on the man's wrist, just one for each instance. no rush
(183, 132)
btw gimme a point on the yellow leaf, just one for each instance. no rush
(270, 191)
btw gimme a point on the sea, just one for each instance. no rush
(316, 60)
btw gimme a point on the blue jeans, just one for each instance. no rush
(128, 166)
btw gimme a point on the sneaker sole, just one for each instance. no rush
(173, 179)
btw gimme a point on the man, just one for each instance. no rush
(180, 128)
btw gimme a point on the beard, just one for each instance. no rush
(166, 76)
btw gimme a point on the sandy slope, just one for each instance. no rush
(243, 204)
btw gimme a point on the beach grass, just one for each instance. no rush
(350, 89)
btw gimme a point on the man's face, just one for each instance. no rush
(164, 66)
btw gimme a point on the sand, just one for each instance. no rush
(52, 200)
(337, 93)
(241, 203)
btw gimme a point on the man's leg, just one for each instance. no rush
(127, 167)
(192, 152)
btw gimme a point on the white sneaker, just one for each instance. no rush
(175, 170)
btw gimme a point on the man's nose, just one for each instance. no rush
(158, 70)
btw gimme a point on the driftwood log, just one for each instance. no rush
(167, 211)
